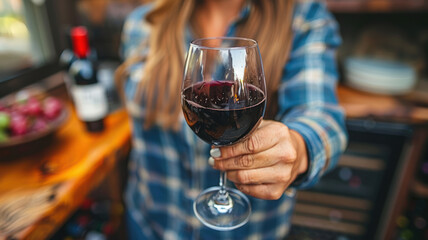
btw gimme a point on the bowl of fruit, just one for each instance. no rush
(26, 119)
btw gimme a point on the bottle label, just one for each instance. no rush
(90, 101)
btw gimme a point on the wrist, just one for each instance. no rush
(301, 151)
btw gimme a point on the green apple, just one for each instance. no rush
(4, 120)
(3, 136)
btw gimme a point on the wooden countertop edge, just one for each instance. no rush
(358, 104)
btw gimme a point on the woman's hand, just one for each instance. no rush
(266, 163)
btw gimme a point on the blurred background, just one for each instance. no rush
(58, 180)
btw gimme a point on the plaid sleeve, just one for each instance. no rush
(307, 95)
(135, 32)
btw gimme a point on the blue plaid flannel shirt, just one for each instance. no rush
(169, 169)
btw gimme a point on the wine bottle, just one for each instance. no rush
(89, 95)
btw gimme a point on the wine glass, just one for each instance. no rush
(223, 98)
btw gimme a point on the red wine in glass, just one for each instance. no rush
(215, 113)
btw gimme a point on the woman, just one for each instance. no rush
(300, 139)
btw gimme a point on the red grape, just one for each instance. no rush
(52, 108)
(39, 124)
(22, 108)
(18, 124)
(34, 107)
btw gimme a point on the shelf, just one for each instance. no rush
(359, 6)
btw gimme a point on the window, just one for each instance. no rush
(26, 43)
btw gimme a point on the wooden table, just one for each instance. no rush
(359, 104)
(38, 193)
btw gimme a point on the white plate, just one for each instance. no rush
(376, 87)
(380, 78)
(382, 68)
(371, 80)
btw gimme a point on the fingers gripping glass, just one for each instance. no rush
(223, 98)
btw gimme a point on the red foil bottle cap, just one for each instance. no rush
(79, 37)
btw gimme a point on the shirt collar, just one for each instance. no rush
(245, 11)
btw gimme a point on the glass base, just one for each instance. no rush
(222, 212)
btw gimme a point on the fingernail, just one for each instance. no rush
(215, 152)
(290, 192)
(211, 161)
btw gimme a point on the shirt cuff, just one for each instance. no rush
(316, 155)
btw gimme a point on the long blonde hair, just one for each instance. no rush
(269, 22)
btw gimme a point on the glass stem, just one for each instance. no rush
(222, 183)
(222, 201)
